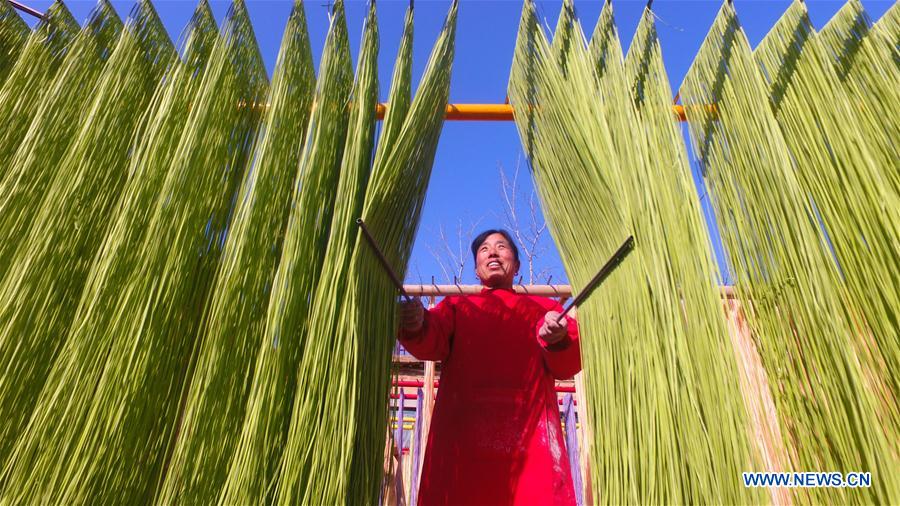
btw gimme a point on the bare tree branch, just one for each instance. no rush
(437, 254)
(528, 236)
(453, 258)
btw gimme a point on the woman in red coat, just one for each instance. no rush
(495, 434)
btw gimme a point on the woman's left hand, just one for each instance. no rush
(552, 332)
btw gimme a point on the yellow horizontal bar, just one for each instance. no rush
(497, 112)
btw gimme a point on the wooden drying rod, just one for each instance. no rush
(552, 291)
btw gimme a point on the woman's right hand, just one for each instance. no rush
(412, 315)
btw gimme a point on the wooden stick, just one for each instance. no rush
(26, 9)
(381, 259)
(601, 275)
(560, 291)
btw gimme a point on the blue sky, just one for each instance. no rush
(466, 186)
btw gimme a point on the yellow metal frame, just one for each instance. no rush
(498, 112)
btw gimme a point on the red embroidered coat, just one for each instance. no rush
(495, 434)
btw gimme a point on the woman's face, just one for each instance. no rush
(495, 263)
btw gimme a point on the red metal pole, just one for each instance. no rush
(418, 384)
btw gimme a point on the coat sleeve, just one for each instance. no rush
(432, 341)
(563, 359)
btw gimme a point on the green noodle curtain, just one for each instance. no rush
(217, 397)
(13, 34)
(129, 419)
(785, 276)
(852, 193)
(255, 466)
(55, 126)
(655, 350)
(47, 271)
(862, 62)
(889, 28)
(190, 314)
(41, 58)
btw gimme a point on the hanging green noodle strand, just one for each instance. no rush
(687, 298)
(399, 100)
(566, 36)
(38, 296)
(392, 209)
(540, 73)
(82, 361)
(215, 406)
(315, 465)
(58, 119)
(605, 54)
(88, 44)
(784, 275)
(889, 28)
(863, 65)
(255, 465)
(23, 90)
(13, 34)
(647, 377)
(535, 76)
(566, 165)
(861, 60)
(347, 360)
(857, 205)
(149, 312)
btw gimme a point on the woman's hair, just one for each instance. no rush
(484, 235)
